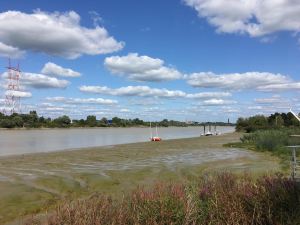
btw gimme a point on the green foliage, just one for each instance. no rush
(62, 122)
(32, 120)
(274, 141)
(91, 121)
(260, 122)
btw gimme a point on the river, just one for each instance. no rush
(14, 142)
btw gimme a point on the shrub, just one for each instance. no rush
(219, 199)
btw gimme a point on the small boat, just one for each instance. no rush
(208, 133)
(154, 138)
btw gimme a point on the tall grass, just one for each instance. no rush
(219, 199)
(274, 141)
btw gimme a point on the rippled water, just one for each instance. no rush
(31, 141)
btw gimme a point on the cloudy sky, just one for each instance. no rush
(203, 60)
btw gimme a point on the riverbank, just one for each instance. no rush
(36, 182)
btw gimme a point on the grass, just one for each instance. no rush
(116, 170)
(221, 198)
(19, 200)
(273, 141)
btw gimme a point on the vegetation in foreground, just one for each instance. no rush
(272, 140)
(224, 198)
(272, 134)
(32, 120)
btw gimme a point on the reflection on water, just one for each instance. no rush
(31, 141)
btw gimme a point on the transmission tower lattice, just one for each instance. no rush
(12, 99)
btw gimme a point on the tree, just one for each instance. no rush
(17, 121)
(164, 123)
(91, 121)
(63, 121)
(116, 121)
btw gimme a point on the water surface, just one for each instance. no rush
(14, 142)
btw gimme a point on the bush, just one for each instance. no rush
(274, 141)
(220, 199)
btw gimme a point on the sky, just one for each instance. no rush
(188, 60)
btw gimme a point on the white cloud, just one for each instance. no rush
(10, 52)
(216, 102)
(141, 68)
(54, 109)
(42, 81)
(236, 81)
(53, 69)
(58, 34)
(99, 101)
(39, 81)
(254, 17)
(271, 100)
(145, 91)
(124, 110)
(142, 91)
(21, 94)
(204, 95)
(280, 87)
(255, 107)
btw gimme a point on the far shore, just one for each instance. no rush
(108, 127)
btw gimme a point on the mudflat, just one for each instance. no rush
(35, 183)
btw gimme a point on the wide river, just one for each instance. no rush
(13, 142)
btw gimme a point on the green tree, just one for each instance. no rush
(91, 121)
(17, 121)
(63, 122)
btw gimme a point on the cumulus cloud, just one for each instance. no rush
(256, 18)
(21, 94)
(42, 81)
(10, 52)
(204, 95)
(237, 81)
(39, 81)
(58, 34)
(54, 109)
(145, 91)
(142, 91)
(141, 68)
(99, 101)
(280, 87)
(272, 100)
(217, 102)
(257, 107)
(53, 69)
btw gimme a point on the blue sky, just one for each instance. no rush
(203, 60)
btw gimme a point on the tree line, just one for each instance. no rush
(261, 122)
(32, 120)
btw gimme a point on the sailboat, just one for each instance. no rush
(295, 115)
(154, 138)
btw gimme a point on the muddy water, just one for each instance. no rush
(13, 142)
